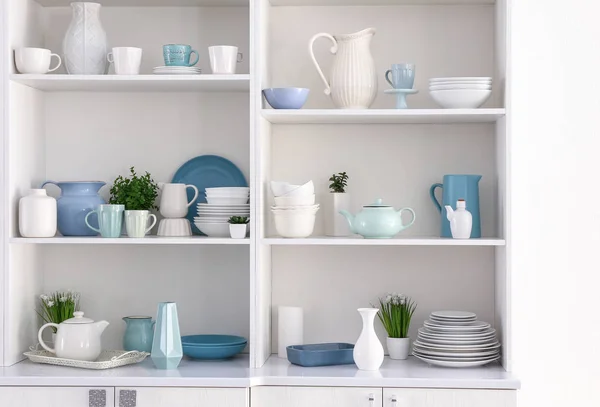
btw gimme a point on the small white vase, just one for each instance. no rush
(37, 214)
(238, 231)
(398, 348)
(85, 46)
(290, 329)
(335, 223)
(368, 351)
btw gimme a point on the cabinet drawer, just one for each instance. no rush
(316, 397)
(180, 397)
(57, 396)
(448, 398)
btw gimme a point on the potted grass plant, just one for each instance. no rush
(338, 199)
(238, 226)
(395, 314)
(58, 307)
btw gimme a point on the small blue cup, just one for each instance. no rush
(110, 219)
(179, 55)
(403, 76)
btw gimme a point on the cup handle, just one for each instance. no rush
(195, 194)
(387, 77)
(86, 220)
(153, 222)
(48, 348)
(197, 57)
(240, 57)
(59, 62)
(110, 57)
(433, 198)
(413, 217)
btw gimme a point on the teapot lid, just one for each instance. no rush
(377, 204)
(78, 319)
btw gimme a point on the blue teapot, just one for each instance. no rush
(378, 221)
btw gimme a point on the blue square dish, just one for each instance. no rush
(321, 354)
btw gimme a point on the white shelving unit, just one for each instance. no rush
(65, 127)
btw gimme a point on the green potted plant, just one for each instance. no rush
(238, 226)
(395, 314)
(138, 194)
(58, 307)
(338, 199)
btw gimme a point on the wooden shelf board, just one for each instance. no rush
(149, 240)
(383, 116)
(399, 241)
(135, 83)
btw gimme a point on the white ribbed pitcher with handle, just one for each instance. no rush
(353, 82)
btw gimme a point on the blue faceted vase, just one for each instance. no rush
(166, 346)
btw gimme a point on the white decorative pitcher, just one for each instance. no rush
(368, 351)
(353, 82)
(85, 46)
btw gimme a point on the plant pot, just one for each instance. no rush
(335, 223)
(398, 348)
(237, 231)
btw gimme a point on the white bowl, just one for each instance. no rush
(288, 209)
(229, 189)
(460, 99)
(303, 190)
(174, 228)
(213, 229)
(461, 83)
(460, 86)
(298, 225)
(280, 188)
(461, 79)
(302, 200)
(226, 201)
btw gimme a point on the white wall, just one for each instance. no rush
(556, 228)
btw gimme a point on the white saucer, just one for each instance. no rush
(446, 363)
(462, 315)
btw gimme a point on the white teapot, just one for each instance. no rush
(77, 338)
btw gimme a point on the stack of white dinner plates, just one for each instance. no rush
(456, 339)
(212, 219)
(177, 70)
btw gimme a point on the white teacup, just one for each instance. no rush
(127, 60)
(35, 60)
(136, 223)
(224, 58)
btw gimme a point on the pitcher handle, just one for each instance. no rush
(153, 216)
(433, 198)
(195, 194)
(333, 50)
(387, 77)
(414, 216)
(49, 182)
(48, 348)
(86, 220)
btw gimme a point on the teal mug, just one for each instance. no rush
(179, 55)
(110, 219)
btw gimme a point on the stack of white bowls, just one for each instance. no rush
(228, 195)
(223, 203)
(294, 210)
(460, 92)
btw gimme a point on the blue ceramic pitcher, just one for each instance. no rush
(138, 333)
(76, 200)
(457, 187)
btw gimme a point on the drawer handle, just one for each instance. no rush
(394, 400)
(97, 398)
(127, 398)
(371, 400)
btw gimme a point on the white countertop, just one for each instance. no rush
(276, 372)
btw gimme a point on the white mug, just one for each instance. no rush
(173, 201)
(224, 58)
(136, 223)
(35, 60)
(127, 60)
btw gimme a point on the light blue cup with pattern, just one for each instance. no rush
(402, 76)
(179, 55)
(110, 220)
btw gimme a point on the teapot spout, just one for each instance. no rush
(101, 326)
(449, 212)
(350, 218)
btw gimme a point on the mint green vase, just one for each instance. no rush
(166, 346)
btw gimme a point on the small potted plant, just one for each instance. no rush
(138, 194)
(338, 199)
(238, 226)
(395, 313)
(58, 307)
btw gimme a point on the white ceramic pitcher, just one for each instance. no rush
(353, 82)
(173, 201)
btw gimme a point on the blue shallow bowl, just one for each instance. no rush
(213, 340)
(212, 352)
(321, 354)
(286, 98)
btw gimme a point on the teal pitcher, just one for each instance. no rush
(139, 333)
(455, 187)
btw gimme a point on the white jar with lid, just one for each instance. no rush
(37, 214)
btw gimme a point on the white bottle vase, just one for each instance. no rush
(335, 223)
(461, 220)
(85, 45)
(368, 351)
(353, 81)
(37, 214)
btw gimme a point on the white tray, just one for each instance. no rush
(108, 359)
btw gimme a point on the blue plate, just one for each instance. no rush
(207, 171)
(212, 352)
(213, 340)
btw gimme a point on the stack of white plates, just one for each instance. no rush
(177, 70)
(212, 219)
(460, 92)
(228, 195)
(456, 339)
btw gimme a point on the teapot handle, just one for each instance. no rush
(49, 349)
(333, 50)
(413, 217)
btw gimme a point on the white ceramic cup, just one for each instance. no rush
(127, 60)
(173, 201)
(224, 59)
(35, 60)
(136, 223)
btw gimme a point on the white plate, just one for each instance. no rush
(461, 78)
(456, 348)
(451, 335)
(473, 327)
(462, 315)
(449, 323)
(460, 83)
(435, 319)
(445, 342)
(456, 359)
(461, 86)
(457, 355)
(226, 206)
(444, 363)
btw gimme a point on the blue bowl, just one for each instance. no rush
(286, 98)
(321, 354)
(213, 340)
(212, 352)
